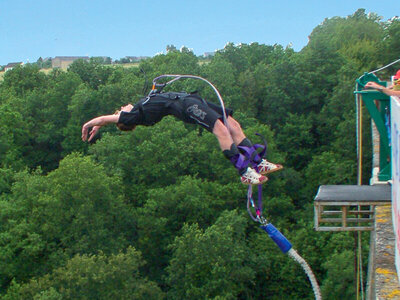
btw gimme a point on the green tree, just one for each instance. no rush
(329, 168)
(92, 72)
(296, 139)
(211, 263)
(97, 276)
(221, 73)
(339, 283)
(167, 209)
(234, 55)
(171, 48)
(24, 79)
(13, 136)
(174, 62)
(46, 220)
(389, 47)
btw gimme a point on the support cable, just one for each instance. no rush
(380, 69)
(358, 251)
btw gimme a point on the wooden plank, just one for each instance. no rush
(346, 220)
(361, 228)
(338, 212)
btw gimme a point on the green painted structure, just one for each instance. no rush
(378, 106)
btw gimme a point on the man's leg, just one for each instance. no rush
(235, 130)
(263, 166)
(231, 152)
(224, 137)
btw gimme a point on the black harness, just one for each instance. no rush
(178, 96)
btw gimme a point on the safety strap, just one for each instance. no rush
(240, 162)
(141, 112)
(251, 203)
(253, 156)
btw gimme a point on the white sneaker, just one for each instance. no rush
(266, 167)
(252, 177)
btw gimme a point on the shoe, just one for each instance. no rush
(266, 167)
(252, 177)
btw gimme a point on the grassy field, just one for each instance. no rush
(136, 64)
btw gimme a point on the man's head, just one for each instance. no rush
(122, 126)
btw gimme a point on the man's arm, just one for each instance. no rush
(381, 88)
(96, 123)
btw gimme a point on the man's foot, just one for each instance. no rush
(266, 167)
(252, 177)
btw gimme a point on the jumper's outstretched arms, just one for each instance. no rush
(95, 124)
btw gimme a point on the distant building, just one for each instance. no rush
(63, 62)
(10, 66)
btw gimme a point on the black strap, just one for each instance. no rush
(141, 112)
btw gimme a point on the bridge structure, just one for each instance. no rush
(373, 208)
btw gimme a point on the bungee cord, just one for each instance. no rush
(281, 241)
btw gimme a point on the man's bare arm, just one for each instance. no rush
(95, 124)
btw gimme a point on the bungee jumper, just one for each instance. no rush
(191, 108)
(248, 158)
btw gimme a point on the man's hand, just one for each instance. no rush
(92, 133)
(96, 124)
(374, 85)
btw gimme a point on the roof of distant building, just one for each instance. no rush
(71, 57)
(13, 64)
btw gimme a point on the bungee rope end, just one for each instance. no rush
(277, 237)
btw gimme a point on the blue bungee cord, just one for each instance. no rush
(280, 240)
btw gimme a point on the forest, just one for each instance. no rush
(159, 213)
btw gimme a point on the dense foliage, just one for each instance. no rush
(160, 213)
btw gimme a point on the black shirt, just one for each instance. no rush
(189, 108)
(147, 112)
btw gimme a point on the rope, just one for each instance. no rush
(360, 264)
(380, 69)
(314, 283)
(359, 280)
(359, 139)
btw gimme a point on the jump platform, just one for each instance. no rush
(349, 207)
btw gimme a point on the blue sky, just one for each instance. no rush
(42, 28)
